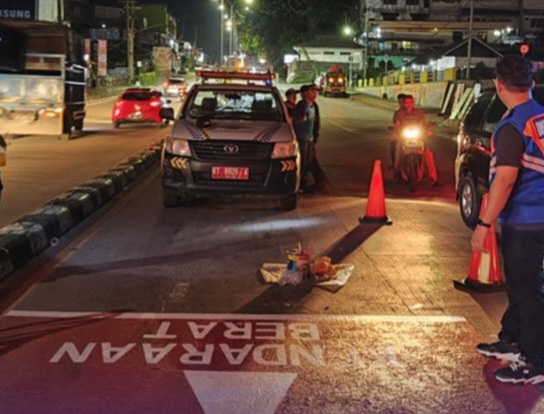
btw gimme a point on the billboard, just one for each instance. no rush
(102, 58)
(18, 9)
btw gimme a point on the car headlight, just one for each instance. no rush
(284, 150)
(178, 147)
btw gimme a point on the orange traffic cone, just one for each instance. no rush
(484, 271)
(375, 207)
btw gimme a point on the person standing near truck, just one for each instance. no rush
(516, 198)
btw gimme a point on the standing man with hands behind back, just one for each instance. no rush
(516, 197)
(306, 121)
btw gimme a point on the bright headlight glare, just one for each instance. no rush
(411, 133)
(178, 147)
(284, 150)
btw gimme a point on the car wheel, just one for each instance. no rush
(116, 124)
(169, 199)
(469, 201)
(290, 202)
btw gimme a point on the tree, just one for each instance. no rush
(275, 26)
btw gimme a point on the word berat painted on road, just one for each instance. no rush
(265, 343)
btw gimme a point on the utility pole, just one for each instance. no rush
(222, 33)
(521, 28)
(469, 45)
(130, 7)
(364, 7)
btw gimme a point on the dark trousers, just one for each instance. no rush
(393, 151)
(523, 321)
(309, 162)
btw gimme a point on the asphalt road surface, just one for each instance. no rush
(144, 309)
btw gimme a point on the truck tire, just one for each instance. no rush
(78, 124)
(67, 123)
(469, 201)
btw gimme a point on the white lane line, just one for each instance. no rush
(426, 319)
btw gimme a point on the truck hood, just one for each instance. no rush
(239, 130)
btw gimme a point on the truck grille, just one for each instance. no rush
(231, 150)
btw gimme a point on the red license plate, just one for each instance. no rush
(230, 173)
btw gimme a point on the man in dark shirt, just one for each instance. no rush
(516, 197)
(306, 121)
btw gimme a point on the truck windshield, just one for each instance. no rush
(248, 105)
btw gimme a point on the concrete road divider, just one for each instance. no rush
(27, 237)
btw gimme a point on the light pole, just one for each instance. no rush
(469, 45)
(348, 31)
(231, 25)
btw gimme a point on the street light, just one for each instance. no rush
(348, 31)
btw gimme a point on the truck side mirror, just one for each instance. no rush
(167, 113)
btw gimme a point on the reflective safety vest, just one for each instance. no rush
(526, 202)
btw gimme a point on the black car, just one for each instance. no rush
(474, 152)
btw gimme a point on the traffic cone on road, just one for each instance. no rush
(484, 271)
(375, 207)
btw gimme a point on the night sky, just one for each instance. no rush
(196, 18)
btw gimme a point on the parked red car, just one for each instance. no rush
(138, 105)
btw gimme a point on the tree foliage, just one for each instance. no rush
(273, 27)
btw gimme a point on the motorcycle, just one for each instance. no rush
(410, 166)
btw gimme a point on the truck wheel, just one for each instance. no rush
(469, 201)
(67, 123)
(290, 202)
(78, 124)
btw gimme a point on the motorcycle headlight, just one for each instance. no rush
(284, 150)
(411, 133)
(178, 147)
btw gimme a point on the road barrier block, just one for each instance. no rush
(117, 179)
(93, 192)
(18, 247)
(129, 170)
(85, 200)
(137, 164)
(48, 223)
(62, 215)
(6, 267)
(106, 187)
(74, 206)
(34, 232)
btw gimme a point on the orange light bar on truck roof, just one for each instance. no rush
(220, 74)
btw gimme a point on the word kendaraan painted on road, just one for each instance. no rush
(263, 343)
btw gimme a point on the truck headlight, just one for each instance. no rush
(178, 147)
(284, 150)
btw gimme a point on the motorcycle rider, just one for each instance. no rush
(414, 116)
(394, 137)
